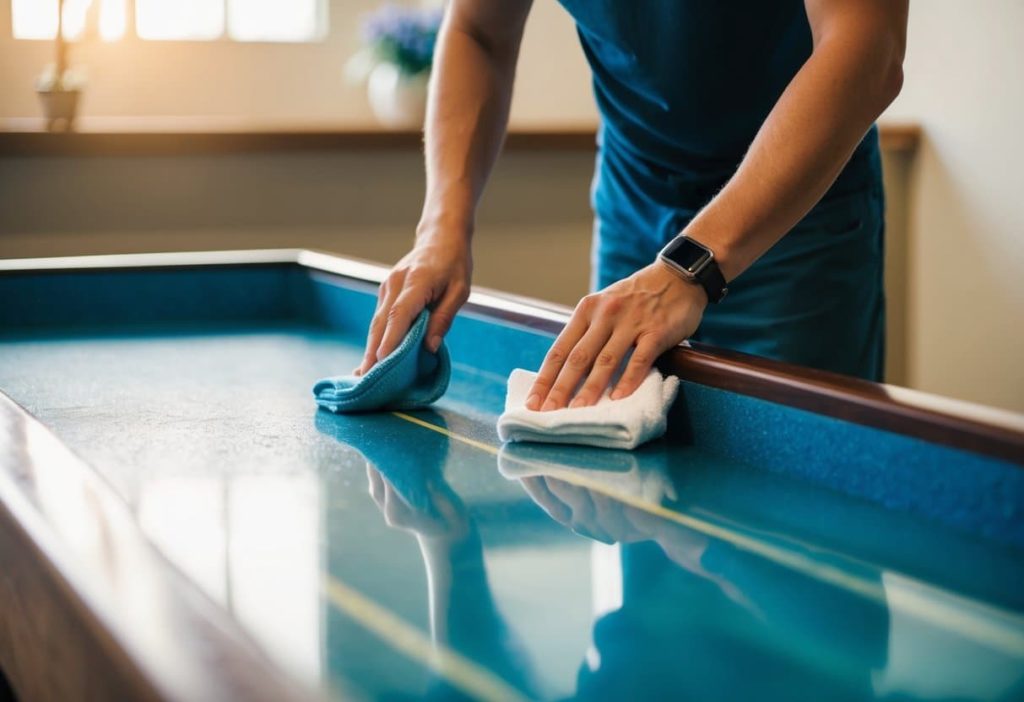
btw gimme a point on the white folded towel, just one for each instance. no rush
(641, 474)
(623, 424)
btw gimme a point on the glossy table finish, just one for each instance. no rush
(757, 551)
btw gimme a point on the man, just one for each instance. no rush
(739, 125)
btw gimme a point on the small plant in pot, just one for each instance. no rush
(59, 87)
(395, 62)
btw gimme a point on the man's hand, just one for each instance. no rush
(588, 513)
(449, 521)
(435, 273)
(649, 312)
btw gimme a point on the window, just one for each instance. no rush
(179, 19)
(37, 19)
(275, 20)
(189, 20)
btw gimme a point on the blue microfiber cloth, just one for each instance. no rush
(408, 378)
(414, 468)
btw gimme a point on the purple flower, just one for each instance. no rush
(403, 35)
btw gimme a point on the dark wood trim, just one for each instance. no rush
(89, 609)
(935, 419)
(940, 420)
(190, 143)
(215, 141)
(147, 138)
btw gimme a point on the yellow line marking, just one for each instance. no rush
(472, 679)
(866, 588)
(1007, 635)
(447, 432)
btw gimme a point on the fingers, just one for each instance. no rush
(610, 514)
(537, 489)
(376, 485)
(579, 362)
(385, 299)
(557, 356)
(400, 317)
(649, 311)
(595, 351)
(581, 501)
(640, 363)
(401, 299)
(444, 312)
(606, 363)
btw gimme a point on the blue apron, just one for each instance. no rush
(683, 87)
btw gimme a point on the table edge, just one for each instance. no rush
(81, 584)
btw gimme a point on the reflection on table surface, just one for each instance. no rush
(408, 555)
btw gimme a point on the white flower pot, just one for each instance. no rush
(59, 107)
(398, 100)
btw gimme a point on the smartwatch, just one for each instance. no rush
(696, 263)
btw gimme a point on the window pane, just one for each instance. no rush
(37, 19)
(179, 19)
(112, 19)
(34, 19)
(276, 20)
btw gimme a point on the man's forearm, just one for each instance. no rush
(803, 145)
(468, 111)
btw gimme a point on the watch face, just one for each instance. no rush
(686, 254)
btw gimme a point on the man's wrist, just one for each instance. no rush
(444, 230)
(695, 262)
(709, 229)
(449, 212)
(690, 285)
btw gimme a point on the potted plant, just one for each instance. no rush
(395, 62)
(59, 87)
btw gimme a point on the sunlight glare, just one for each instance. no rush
(37, 19)
(179, 19)
(246, 20)
(113, 19)
(274, 20)
(34, 19)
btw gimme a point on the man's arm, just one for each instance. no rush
(854, 72)
(467, 115)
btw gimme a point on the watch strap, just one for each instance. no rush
(713, 282)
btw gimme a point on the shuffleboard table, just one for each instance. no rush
(178, 521)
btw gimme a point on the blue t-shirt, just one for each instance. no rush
(686, 84)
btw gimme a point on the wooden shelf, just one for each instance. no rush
(900, 138)
(184, 136)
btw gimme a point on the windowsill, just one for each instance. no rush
(132, 136)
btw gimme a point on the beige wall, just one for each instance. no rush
(532, 236)
(962, 196)
(965, 85)
(287, 82)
